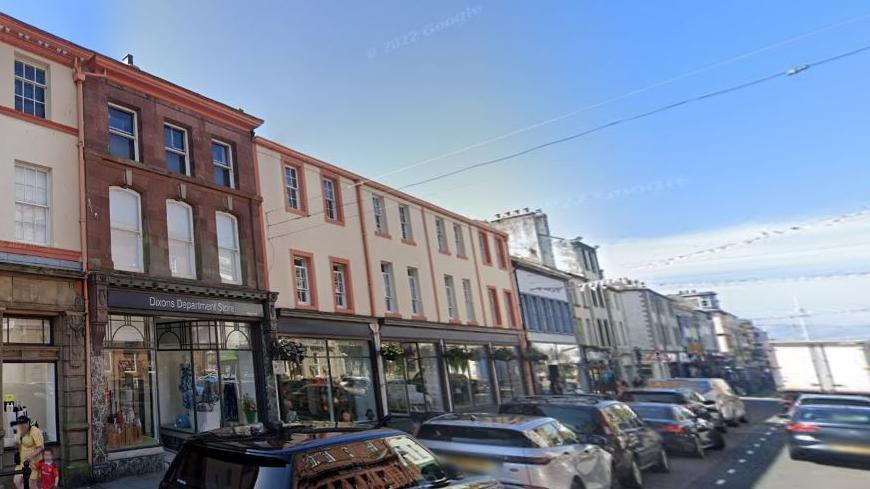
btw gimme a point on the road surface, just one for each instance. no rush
(756, 458)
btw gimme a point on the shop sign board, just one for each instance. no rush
(179, 303)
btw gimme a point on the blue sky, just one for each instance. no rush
(376, 86)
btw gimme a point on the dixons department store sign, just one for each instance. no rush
(179, 303)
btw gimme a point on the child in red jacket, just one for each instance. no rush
(49, 476)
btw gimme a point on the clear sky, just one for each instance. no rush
(376, 86)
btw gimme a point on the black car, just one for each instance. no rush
(687, 398)
(830, 433)
(610, 424)
(311, 457)
(680, 429)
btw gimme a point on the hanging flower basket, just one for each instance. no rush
(535, 356)
(504, 355)
(392, 351)
(289, 351)
(458, 358)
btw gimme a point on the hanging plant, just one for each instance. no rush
(535, 356)
(392, 351)
(504, 355)
(458, 358)
(289, 351)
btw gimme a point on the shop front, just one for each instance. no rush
(171, 365)
(556, 367)
(42, 363)
(431, 369)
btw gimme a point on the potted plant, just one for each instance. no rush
(250, 408)
(392, 351)
(458, 358)
(504, 355)
(534, 356)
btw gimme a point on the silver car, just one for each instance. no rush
(716, 391)
(519, 451)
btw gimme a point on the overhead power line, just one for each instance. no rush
(758, 281)
(599, 104)
(789, 72)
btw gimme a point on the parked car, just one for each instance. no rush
(308, 457)
(519, 451)
(687, 398)
(835, 433)
(611, 424)
(681, 430)
(791, 400)
(716, 391)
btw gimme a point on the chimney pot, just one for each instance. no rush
(128, 59)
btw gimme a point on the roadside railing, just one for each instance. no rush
(25, 472)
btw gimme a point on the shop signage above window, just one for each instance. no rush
(129, 299)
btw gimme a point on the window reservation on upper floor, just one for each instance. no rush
(32, 216)
(123, 133)
(222, 159)
(31, 88)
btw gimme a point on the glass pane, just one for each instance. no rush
(121, 120)
(176, 388)
(176, 163)
(178, 221)
(180, 259)
(19, 68)
(222, 176)
(26, 330)
(32, 385)
(40, 94)
(125, 250)
(207, 395)
(352, 385)
(237, 336)
(28, 90)
(28, 72)
(129, 398)
(227, 263)
(40, 76)
(18, 88)
(226, 231)
(219, 153)
(303, 387)
(121, 147)
(239, 387)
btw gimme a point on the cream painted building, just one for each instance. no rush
(41, 300)
(414, 306)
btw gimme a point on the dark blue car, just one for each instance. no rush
(309, 457)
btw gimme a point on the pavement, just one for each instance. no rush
(147, 481)
(756, 457)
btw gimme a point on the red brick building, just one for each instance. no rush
(178, 289)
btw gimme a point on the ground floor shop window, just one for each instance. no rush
(413, 378)
(30, 388)
(327, 380)
(470, 378)
(129, 398)
(508, 372)
(206, 372)
(560, 372)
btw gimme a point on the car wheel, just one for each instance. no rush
(744, 419)
(698, 449)
(732, 422)
(722, 428)
(718, 441)
(664, 465)
(634, 478)
(795, 455)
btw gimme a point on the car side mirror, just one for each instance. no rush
(452, 471)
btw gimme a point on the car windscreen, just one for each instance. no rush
(204, 468)
(835, 401)
(580, 419)
(833, 415)
(474, 435)
(653, 412)
(394, 461)
(668, 397)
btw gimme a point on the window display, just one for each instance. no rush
(129, 383)
(414, 379)
(508, 372)
(30, 389)
(470, 379)
(560, 374)
(330, 380)
(206, 375)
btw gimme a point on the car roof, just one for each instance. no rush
(516, 422)
(654, 404)
(575, 400)
(833, 397)
(287, 441)
(681, 390)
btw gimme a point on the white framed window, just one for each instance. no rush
(331, 208)
(339, 285)
(125, 216)
(468, 297)
(31, 89)
(175, 146)
(302, 272)
(229, 254)
(293, 187)
(222, 159)
(450, 290)
(459, 238)
(123, 133)
(179, 226)
(380, 212)
(414, 287)
(441, 235)
(389, 287)
(405, 223)
(32, 209)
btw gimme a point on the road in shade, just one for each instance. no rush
(756, 458)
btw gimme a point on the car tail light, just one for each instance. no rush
(673, 428)
(802, 428)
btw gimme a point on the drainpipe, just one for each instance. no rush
(79, 79)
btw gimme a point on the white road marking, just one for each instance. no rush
(749, 452)
(756, 445)
(763, 439)
(731, 471)
(742, 461)
(720, 482)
